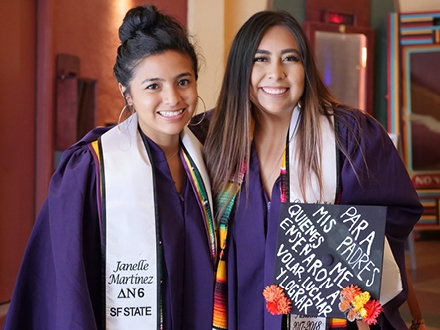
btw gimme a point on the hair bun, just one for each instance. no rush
(137, 18)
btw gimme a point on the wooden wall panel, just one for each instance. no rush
(17, 136)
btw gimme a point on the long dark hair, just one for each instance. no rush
(228, 144)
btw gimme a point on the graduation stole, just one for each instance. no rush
(130, 238)
(290, 191)
(225, 201)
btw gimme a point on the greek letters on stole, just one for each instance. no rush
(131, 246)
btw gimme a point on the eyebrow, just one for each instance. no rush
(180, 75)
(284, 51)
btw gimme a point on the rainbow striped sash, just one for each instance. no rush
(224, 202)
(289, 191)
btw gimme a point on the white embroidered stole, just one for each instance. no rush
(130, 230)
(329, 165)
(329, 180)
(132, 264)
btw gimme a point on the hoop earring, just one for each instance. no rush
(203, 117)
(120, 115)
(131, 111)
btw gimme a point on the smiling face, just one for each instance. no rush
(164, 93)
(277, 78)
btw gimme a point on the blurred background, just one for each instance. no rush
(56, 83)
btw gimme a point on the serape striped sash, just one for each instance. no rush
(289, 191)
(225, 202)
(203, 200)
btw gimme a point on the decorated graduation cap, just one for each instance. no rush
(328, 261)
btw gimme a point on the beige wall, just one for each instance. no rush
(214, 23)
(416, 6)
(78, 34)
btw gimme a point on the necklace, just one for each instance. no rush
(168, 159)
(281, 165)
(277, 165)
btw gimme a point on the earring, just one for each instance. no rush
(203, 117)
(120, 115)
(299, 104)
(130, 112)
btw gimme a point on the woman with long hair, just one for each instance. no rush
(278, 135)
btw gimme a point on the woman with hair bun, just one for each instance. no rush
(126, 239)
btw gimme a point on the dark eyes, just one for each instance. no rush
(260, 59)
(180, 83)
(183, 82)
(292, 58)
(288, 58)
(152, 86)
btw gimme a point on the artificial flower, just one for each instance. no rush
(373, 308)
(272, 307)
(360, 300)
(284, 305)
(273, 293)
(359, 305)
(276, 301)
(350, 292)
(362, 312)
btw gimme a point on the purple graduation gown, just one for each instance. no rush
(60, 281)
(253, 229)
